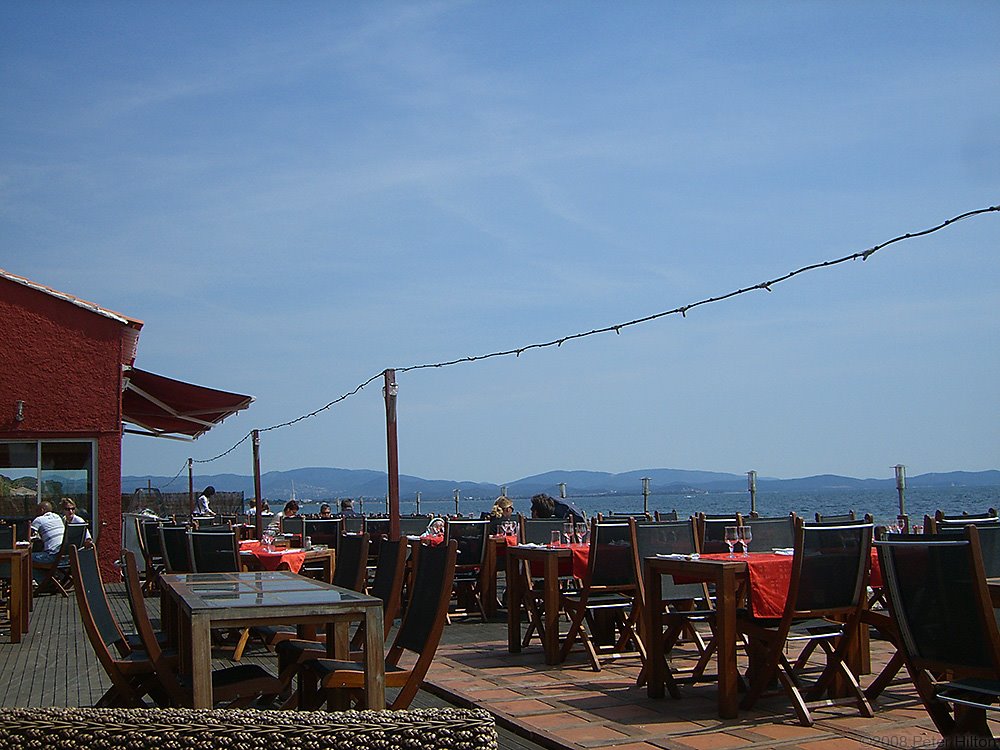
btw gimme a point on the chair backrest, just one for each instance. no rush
(8, 536)
(352, 562)
(378, 531)
(622, 516)
(712, 531)
(387, 584)
(74, 535)
(92, 600)
(174, 546)
(148, 532)
(989, 544)
(665, 538)
(836, 518)
(292, 524)
(610, 566)
(937, 593)
(940, 515)
(830, 568)
(353, 524)
(426, 614)
(218, 528)
(21, 526)
(772, 533)
(212, 552)
(323, 531)
(539, 530)
(413, 525)
(936, 525)
(471, 538)
(665, 515)
(165, 673)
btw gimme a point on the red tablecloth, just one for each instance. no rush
(274, 558)
(770, 575)
(576, 565)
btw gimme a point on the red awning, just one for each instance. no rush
(163, 407)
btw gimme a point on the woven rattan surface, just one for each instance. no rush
(244, 729)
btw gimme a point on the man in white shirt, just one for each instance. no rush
(48, 527)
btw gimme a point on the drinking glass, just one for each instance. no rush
(731, 536)
(568, 532)
(582, 530)
(554, 538)
(746, 536)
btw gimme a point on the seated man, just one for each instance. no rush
(48, 528)
(347, 507)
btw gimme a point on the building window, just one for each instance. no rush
(32, 471)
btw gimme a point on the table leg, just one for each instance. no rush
(550, 594)
(653, 627)
(515, 597)
(201, 662)
(488, 579)
(725, 634)
(16, 595)
(374, 659)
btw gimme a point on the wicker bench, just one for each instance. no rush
(244, 729)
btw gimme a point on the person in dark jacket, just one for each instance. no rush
(544, 506)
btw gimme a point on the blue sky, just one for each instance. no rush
(296, 196)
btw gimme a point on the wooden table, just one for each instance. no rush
(19, 561)
(548, 558)
(194, 604)
(725, 574)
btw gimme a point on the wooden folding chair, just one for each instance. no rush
(418, 634)
(939, 599)
(131, 671)
(471, 538)
(601, 611)
(825, 601)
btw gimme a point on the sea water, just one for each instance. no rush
(882, 504)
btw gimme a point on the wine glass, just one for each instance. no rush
(581, 533)
(568, 532)
(731, 535)
(746, 536)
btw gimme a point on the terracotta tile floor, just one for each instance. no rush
(571, 706)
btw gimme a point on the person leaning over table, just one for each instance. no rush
(201, 505)
(544, 506)
(69, 516)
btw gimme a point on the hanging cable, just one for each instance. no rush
(617, 327)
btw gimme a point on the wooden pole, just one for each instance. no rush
(258, 517)
(389, 391)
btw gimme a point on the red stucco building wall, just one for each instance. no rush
(64, 361)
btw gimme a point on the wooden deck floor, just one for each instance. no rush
(55, 666)
(536, 706)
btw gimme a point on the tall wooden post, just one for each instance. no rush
(258, 516)
(191, 485)
(389, 391)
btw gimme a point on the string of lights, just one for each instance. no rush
(617, 328)
(184, 466)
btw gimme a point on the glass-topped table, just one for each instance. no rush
(195, 603)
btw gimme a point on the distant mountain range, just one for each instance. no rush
(326, 483)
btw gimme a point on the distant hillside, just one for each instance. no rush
(319, 483)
